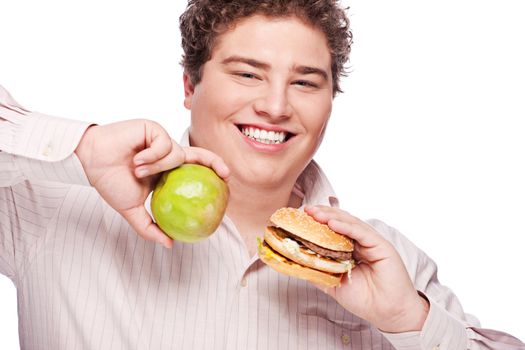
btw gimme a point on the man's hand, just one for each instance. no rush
(380, 290)
(124, 160)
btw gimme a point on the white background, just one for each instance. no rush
(428, 136)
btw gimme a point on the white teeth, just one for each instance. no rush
(264, 136)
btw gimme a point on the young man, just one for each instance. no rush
(83, 252)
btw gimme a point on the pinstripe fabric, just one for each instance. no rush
(85, 280)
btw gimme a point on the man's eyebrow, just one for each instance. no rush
(262, 65)
(249, 61)
(312, 70)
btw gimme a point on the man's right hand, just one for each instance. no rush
(123, 162)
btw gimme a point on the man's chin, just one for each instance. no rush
(264, 177)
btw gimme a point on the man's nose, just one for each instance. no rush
(274, 103)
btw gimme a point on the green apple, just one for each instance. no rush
(189, 202)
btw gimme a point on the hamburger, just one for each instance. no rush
(299, 246)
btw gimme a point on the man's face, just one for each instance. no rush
(264, 99)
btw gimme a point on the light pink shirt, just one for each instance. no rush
(86, 280)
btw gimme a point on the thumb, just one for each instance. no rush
(142, 223)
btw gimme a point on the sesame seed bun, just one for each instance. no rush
(301, 247)
(304, 226)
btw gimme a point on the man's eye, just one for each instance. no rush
(247, 75)
(305, 83)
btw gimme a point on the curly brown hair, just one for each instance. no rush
(204, 20)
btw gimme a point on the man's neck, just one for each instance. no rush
(250, 208)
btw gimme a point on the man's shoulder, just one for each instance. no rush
(401, 242)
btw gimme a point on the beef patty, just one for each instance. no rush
(334, 254)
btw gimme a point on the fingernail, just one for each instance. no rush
(139, 161)
(142, 172)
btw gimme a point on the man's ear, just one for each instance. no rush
(188, 91)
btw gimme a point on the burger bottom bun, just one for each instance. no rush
(299, 255)
(290, 268)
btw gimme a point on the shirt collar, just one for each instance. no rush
(312, 185)
(315, 186)
(185, 139)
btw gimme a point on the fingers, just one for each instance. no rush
(203, 156)
(164, 155)
(369, 242)
(166, 161)
(158, 144)
(367, 238)
(141, 222)
(323, 214)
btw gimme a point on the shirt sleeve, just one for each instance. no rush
(35, 146)
(447, 326)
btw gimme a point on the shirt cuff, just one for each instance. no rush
(41, 137)
(41, 147)
(441, 330)
(68, 170)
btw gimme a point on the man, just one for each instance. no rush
(73, 203)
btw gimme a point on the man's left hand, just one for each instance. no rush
(380, 289)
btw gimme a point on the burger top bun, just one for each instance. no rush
(304, 226)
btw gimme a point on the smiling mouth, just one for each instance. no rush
(265, 136)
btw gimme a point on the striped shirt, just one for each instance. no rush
(86, 280)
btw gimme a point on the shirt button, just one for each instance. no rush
(435, 347)
(46, 151)
(345, 338)
(244, 282)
